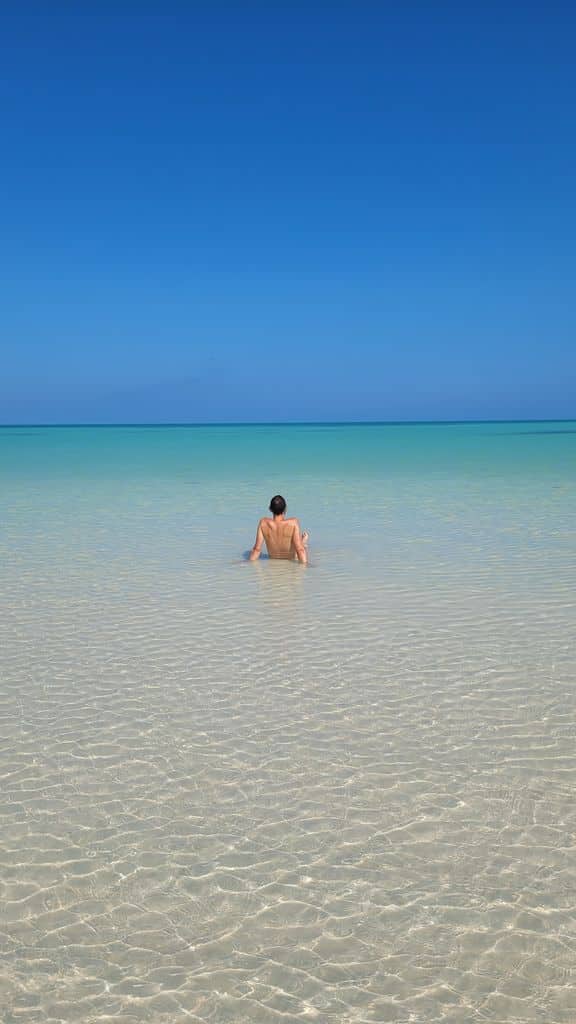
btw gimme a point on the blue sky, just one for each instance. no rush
(255, 211)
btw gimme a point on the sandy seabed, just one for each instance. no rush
(264, 793)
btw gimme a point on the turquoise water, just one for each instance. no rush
(254, 453)
(258, 792)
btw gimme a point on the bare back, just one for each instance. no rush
(280, 536)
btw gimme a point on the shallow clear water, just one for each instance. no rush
(262, 793)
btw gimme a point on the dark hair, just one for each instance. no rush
(277, 505)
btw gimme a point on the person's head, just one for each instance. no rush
(277, 505)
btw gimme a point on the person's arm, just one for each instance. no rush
(255, 553)
(299, 547)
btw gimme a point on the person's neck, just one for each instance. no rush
(278, 518)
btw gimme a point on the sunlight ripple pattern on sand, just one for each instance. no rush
(257, 793)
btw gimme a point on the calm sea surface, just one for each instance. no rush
(258, 793)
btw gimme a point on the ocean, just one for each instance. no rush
(262, 792)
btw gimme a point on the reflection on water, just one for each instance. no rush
(280, 583)
(260, 792)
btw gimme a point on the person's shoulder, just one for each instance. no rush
(293, 520)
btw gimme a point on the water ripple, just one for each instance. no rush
(259, 794)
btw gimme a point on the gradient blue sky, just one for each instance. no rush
(307, 211)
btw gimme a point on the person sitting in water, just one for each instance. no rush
(282, 536)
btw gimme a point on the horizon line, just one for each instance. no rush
(291, 423)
